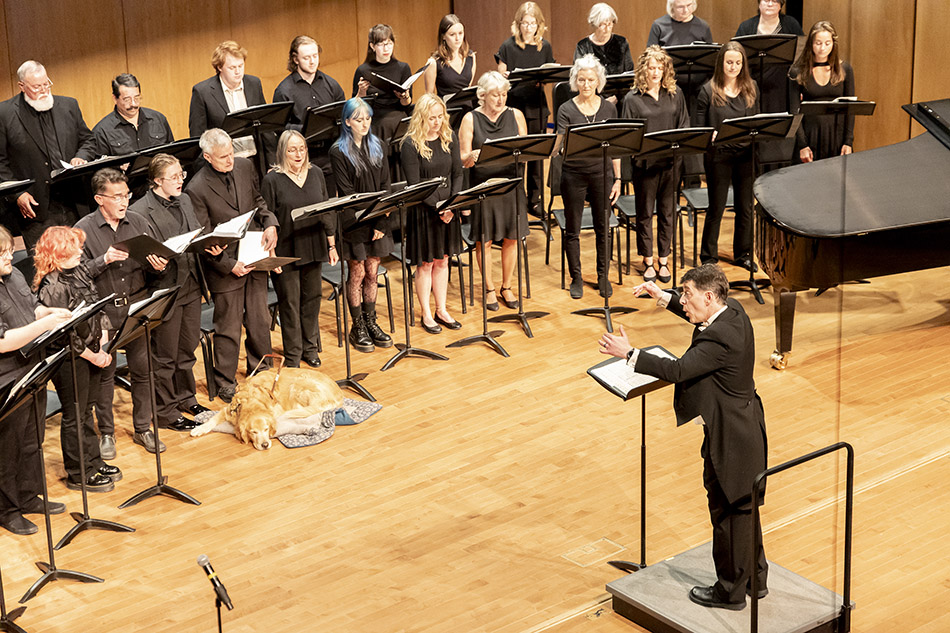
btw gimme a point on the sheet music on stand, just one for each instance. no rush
(44, 365)
(79, 313)
(617, 377)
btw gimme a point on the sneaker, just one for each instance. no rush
(147, 439)
(96, 482)
(107, 446)
(112, 472)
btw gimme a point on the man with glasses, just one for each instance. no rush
(130, 127)
(40, 133)
(114, 271)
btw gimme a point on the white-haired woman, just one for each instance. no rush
(501, 219)
(611, 49)
(583, 178)
(679, 26)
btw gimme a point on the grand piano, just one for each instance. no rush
(874, 213)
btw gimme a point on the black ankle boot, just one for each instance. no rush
(380, 338)
(359, 337)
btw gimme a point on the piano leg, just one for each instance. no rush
(784, 324)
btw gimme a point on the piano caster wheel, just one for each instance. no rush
(778, 360)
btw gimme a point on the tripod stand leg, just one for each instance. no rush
(86, 523)
(50, 574)
(350, 383)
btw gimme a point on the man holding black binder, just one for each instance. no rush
(715, 388)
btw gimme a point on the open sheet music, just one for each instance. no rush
(617, 377)
(225, 233)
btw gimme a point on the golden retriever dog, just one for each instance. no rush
(264, 408)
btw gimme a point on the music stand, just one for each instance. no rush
(322, 123)
(56, 336)
(306, 216)
(606, 141)
(468, 198)
(400, 201)
(186, 151)
(13, 188)
(28, 388)
(841, 109)
(547, 74)
(517, 150)
(143, 317)
(618, 85)
(690, 59)
(254, 121)
(769, 51)
(671, 144)
(86, 170)
(752, 129)
(463, 98)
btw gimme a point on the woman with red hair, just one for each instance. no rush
(62, 281)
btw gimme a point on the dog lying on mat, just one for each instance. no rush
(270, 405)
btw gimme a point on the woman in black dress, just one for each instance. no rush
(502, 219)
(820, 75)
(359, 162)
(527, 48)
(731, 93)
(583, 178)
(390, 106)
(611, 49)
(291, 184)
(62, 281)
(656, 99)
(430, 150)
(452, 65)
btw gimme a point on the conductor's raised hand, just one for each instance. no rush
(615, 344)
(650, 288)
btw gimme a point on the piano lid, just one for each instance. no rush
(933, 115)
(901, 185)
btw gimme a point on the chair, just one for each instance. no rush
(206, 339)
(587, 224)
(697, 201)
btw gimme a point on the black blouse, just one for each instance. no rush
(614, 55)
(527, 97)
(348, 181)
(570, 114)
(710, 115)
(666, 113)
(282, 196)
(386, 100)
(441, 163)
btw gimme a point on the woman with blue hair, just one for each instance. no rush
(359, 162)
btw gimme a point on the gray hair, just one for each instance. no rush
(29, 67)
(669, 6)
(492, 80)
(600, 13)
(588, 62)
(212, 139)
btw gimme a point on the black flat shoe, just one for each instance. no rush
(577, 288)
(511, 305)
(493, 306)
(35, 506)
(19, 525)
(452, 325)
(665, 279)
(605, 288)
(431, 329)
(649, 273)
(313, 361)
(706, 597)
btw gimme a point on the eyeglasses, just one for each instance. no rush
(47, 87)
(179, 176)
(5, 253)
(117, 198)
(137, 99)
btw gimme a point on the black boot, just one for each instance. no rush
(380, 338)
(572, 251)
(359, 337)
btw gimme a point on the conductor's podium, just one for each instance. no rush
(656, 598)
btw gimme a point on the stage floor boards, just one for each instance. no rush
(489, 492)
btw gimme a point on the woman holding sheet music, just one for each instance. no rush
(390, 106)
(293, 183)
(431, 150)
(359, 162)
(502, 218)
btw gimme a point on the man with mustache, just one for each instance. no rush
(130, 126)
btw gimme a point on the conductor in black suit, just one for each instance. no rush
(715, 388)
(226, 190)
(38, 132)
(228, 90)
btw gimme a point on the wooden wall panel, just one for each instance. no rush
(82, 46)
(838, 12)
(415, 25)
(724, 16)
(169, 60)
(7, 79)
(488, 24)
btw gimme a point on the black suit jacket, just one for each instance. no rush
(209, 106)
(22, 150)
(714, 379)
(213, 206)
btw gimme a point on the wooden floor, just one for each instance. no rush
(489, 492)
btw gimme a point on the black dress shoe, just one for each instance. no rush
(96, 482)
(452, 325)
(35, 506)
(312, 360)
(706, 597)
(493, 306)
(19, 525)
(195, 409)
(110, 471)
(577, 288)
(431, 329)
(663, 279)
(511, 305)
(183, 424)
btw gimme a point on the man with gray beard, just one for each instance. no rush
(38, 133)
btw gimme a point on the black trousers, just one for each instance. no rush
(655, 186)
(298, 300)
(136, 354)
(21, 478)
(86, 374)
(732, 537)
(722, 169)
(247, 306)
(173, 353)
(576, 187)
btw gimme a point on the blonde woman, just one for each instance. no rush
(430, 149)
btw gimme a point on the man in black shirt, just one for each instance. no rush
(22, 319)
(130, 127)
(114, 271)
(39, 132)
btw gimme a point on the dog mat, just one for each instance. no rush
(353, 412)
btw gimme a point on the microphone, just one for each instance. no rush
(219, 589)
